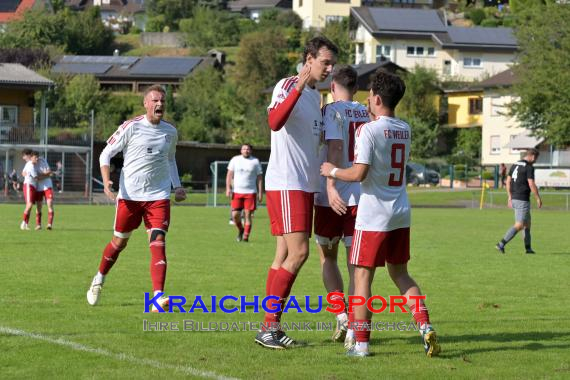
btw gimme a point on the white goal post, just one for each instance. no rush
(219, 169)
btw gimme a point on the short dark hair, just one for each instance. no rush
(388, 86)
(26, 152)
(346, 76)
(35, 153)
(248, 144)
(315, 44)
(532, 152)
(154, 87)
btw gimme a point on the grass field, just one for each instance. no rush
(498, 316)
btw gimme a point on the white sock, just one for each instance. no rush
(157, 291)
(341, 317)
(350, 333)
(361, 346)
(424, 327)
(99, 278)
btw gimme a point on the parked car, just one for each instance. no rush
(417, 174)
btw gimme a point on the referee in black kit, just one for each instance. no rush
(520, 183)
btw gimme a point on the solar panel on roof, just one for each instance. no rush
(9, 5)
(110, 59)
(486, 36)
(405, 19)
(81, 68)
(179, 66)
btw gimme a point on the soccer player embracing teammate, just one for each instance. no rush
(337, 201)
(382, 231)
(293, 177)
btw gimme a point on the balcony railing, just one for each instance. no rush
(56, 135)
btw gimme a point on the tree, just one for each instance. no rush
(543, 78)
(198, 112)
(210, 28)
(468, 146)
(167, 13)
(85, 33)
(28, 57)
(418, 108)
(260, 63)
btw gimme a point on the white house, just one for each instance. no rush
(410, 37)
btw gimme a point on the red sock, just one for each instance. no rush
(26, 217)
(351, 322)
(362, 330)
(335, 297)
(158, 264)
(110, 255)
(50, 217)
(422, 316)
(270, 277)
(247, 230)
(38, 218)
(282, 283)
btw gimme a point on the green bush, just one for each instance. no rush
(476, 15)
(186, 180)
(490, 23)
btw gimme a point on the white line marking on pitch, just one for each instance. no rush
(117, 356)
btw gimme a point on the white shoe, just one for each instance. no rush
(49, 227)
(24, 226)
(93, 293)
(38, 227)
(163, 301)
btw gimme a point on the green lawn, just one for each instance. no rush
(498, 316)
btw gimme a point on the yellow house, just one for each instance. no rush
(464, 107)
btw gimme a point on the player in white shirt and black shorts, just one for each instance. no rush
(247, 175)
(337, 201)
(45, 189)
(292, 176)
(30, 174)
(382, 231)
(148, 144)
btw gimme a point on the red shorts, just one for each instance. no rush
(48, 193)
(29, 193)
(375, 248)
(290, 211)
(244, 201)
(331, 225)
(130, 214)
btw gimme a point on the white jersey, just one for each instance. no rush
(149, 167)
(383, 144)
(245, 171)
(294, 161)
(43, 167)
(340, 122)
(30, 173)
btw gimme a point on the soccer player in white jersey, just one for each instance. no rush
(30, 175)
(45, 189)
(382, 232)
(336, 203)
(292, 177)
(148, 144)
(247, 175)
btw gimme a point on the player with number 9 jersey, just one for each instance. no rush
(384, 145)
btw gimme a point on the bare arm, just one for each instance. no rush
(260, 188)
(356, 173)
(334, 156)
(534, 190)
(509, 195)
(229, 178)
(107, 183)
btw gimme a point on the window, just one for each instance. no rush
(329, 19)
(9, 115)
(513, 151)
(300, 3)
(495, 144)
(360, 58)
(475, 106)
(382, 51)
(471, 62)
(420, 51)
(446, 67)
